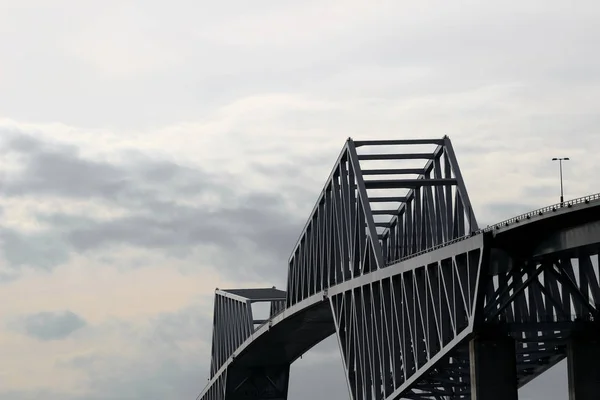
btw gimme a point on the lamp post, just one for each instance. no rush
(560, 160)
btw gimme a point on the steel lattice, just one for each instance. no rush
(400, 323)
(343, 240)
(233, 320)
(399, 270)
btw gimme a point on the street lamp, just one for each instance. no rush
(560, 160)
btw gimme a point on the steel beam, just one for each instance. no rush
(396, 142)
(394, 171)
(407, 183)
(405, 156)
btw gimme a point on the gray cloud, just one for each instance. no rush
(238, 231)
(51, 168)
(7, 277)
(170, 370)
(51, 325)
(257, 223)
(168, 366)
(42, 250)
(509, 45)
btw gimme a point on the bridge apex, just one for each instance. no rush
(380, 204)
(397, 142)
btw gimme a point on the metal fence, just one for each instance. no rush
(543, 210)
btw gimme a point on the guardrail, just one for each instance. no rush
(585, 316)
(543, 210)
(527, 215)
(439, 246)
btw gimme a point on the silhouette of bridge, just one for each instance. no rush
(424, 303)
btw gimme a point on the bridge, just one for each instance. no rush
(424, 303)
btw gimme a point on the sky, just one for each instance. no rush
(153, 151)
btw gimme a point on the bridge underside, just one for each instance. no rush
(423, 303)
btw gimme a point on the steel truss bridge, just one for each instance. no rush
(424, 303)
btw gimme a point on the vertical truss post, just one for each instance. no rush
(362, 193)
(461, 185)
(583, 364)
(493, 364)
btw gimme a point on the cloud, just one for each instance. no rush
(114, 56)
(52, 325)
(57, 168)
(44, 250)
(167, 207)
(167, 358)
(7, 277)
(117, 358)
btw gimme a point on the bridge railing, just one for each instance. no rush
(439, 246)
(527, 215)
(540, 211)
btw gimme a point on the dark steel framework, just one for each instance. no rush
(369, 216)
(403, 333)
(411, 281)
(233, 321)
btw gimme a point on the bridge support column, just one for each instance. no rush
(493, 365)
(583, 365)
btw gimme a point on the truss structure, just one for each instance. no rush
(394, 327)
(402, 333)
(392, 261)
(233, 321)
(541, 302)
(377, 207)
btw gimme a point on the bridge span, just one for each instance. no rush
(424, 303)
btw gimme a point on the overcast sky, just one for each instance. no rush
(151, 151)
